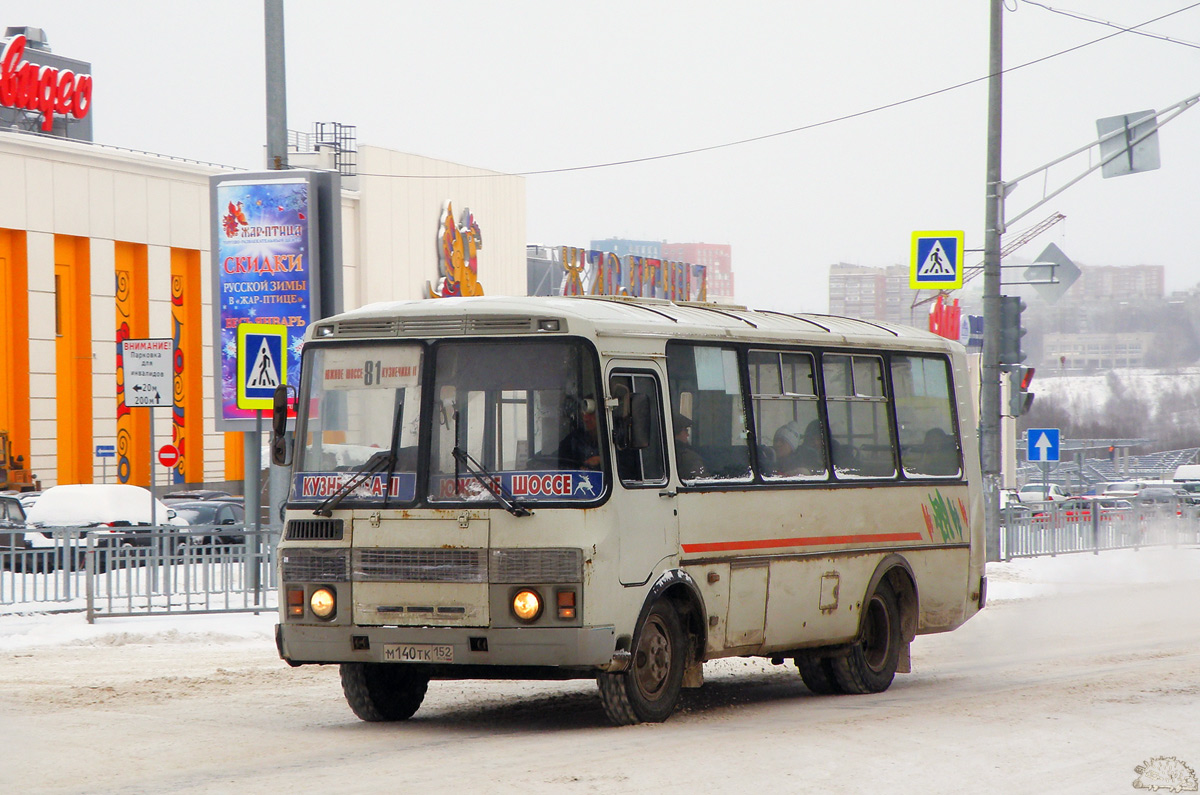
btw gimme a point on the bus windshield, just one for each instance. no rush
(527, 413)
(361, 400)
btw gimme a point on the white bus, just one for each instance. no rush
(622, 489)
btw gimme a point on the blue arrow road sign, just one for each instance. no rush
(106, 451)
(1041, 444)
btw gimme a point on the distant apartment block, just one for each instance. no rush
(716, 257)
(1096, 351)
(873, 294)
(1109, 282)
(623, 247)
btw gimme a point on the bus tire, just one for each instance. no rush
(817, 673)
(873, 659)
(649, 689)
(383, 691)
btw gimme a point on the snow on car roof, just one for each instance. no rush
(83, 504)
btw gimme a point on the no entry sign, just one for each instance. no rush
(168, 455)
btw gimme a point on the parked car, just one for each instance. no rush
(1034, 492)
(198, 494)
(212, 513)
(117, 509)
(1159, 499)
(1079, 509)
(12, 524)
(28, 498)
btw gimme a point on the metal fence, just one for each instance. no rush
(1052, 529)
(154, 571)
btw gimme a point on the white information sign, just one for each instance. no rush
(149, 377)
(381, 367)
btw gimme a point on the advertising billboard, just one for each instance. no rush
(266, 270)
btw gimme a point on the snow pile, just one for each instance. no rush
(71, 629)
(1026, 578)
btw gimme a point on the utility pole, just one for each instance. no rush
(989, 396)
(276, 86)
(276, 160)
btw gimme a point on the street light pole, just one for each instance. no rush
(989, 397)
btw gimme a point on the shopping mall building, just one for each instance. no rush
(99, 244)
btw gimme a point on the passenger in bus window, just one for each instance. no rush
(689, 461)
(941, 455)
(796, 454)
(581, 446)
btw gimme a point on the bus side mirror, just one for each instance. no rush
(281, 454)
(640, 412)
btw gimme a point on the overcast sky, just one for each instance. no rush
(530, 86)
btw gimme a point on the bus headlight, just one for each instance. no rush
(527, 605)
(322, 603)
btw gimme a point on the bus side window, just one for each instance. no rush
(860, 430)
(637, 466)
(706, 397)
(925, 415)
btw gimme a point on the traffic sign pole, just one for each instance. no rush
(153, 502)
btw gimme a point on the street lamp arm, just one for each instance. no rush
(1168, 114)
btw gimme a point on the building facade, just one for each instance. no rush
(98, 245)
(875, 294)
(1096, 351)
(716, 257)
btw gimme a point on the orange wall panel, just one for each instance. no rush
(186, 316)
(133, 322)
(14, 342)
(73, 358)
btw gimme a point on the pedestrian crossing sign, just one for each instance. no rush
(261, 367)
(937, 261)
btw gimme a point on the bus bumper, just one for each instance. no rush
(571, 647)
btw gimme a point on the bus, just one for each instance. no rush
(621, 489)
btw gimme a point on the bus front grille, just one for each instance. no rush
(420, 565)
(518, 566)
(314, 530)
(315, 565)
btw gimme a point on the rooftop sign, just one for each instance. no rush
(42, 89)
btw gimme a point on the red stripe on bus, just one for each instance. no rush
(730, 546)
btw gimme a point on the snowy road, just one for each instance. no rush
(1080, 669)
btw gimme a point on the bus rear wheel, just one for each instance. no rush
(649, 689)
(817, 673)
(383, 691)
(871, 664)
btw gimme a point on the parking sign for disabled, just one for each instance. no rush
(937, 261)
(261, 366)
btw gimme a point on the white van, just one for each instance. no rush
(1033, 492)
(1187, 472)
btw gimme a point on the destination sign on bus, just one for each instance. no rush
(383, 368)
(542, 485)
(322, 485)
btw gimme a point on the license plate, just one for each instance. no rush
(418, 652)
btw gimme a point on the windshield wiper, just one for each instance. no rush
(384, 459)
(486, 479)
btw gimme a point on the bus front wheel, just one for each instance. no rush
(872, 662)
(649, 689)
(383, 691)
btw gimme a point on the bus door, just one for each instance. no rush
(646, 516)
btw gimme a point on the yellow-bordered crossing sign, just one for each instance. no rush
(261, 365)
(937, 261)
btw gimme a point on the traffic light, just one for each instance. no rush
(1010, 329)
(1019, 396)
